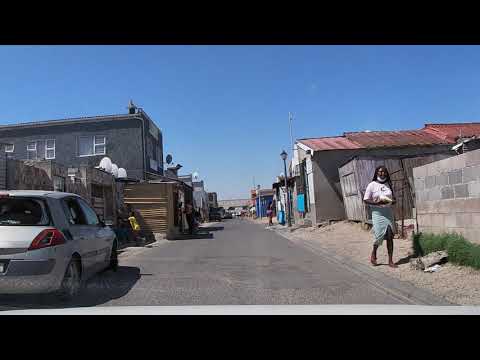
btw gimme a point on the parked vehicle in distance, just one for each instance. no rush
(214, 215)
(227, 215)
(51, 242)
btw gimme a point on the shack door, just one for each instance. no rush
(352, 197)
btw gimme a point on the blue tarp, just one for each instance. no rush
(301, 203)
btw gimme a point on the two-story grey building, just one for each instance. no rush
(132, 141)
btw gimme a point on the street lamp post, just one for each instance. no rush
(284, 158)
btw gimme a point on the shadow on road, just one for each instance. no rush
(100, 289)
(212, 228)
(204, 232)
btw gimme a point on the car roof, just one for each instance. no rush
(41, 193)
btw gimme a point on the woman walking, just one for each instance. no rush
(379, 196)
(270, 214)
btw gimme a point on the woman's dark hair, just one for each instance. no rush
(389, 181)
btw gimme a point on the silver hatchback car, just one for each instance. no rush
(51, 242)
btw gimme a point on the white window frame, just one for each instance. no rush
(50, 148)
(33, 150)
(93, 138)
(9, 151)
(104, 144)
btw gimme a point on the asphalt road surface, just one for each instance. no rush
(236, 262)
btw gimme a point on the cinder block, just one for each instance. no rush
(419, 184)
(438, 220)
(473, 158)
(455, 177)
(471, 173)
(430, 181)
(425, 229)
(424, 220)
(420, 172)
(434, 194)
(474, 189)
(476, 220)
(450, 206)
(461, 191)
(441, 180)
(464, 220)
(471, 205)
(450, 220)
(447, 192)
(456, 163)
(422, 206)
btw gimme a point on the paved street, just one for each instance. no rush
(238, 262)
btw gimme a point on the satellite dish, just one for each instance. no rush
(169, 159)
(106, 164)
(115, 170)
(122, 173)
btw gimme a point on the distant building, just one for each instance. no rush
(132, 141)
(212, 199)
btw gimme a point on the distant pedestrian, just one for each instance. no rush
(270, 213)
(190, 217)
(379, 196)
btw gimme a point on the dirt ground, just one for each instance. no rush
(460, 285)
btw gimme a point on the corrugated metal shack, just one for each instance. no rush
(357, 173)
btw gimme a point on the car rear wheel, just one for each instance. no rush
(72, 281)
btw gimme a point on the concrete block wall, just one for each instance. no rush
(448, 196)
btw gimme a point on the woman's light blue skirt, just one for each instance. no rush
(382, 218)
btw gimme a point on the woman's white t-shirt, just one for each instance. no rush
(375, 190)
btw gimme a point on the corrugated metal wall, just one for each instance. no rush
(358, 173)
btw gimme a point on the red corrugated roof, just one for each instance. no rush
(330, 143)
(451, 132)
(431, 134)
(376, 139)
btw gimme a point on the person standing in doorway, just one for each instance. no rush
(189, 216)
(379, 196)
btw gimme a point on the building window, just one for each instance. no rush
(92, 145)
(32, 150)
(9, 148)
(100, 143)
(50, 149)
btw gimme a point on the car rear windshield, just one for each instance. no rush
(23, 212)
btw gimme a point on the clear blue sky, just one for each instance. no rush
(224, 110)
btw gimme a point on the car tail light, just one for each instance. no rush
(47, 238)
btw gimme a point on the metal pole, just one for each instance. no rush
(291, 136)
(286, 193)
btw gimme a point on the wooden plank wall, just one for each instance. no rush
(154, 204)
(354, 207)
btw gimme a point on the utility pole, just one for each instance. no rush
(290, 119)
